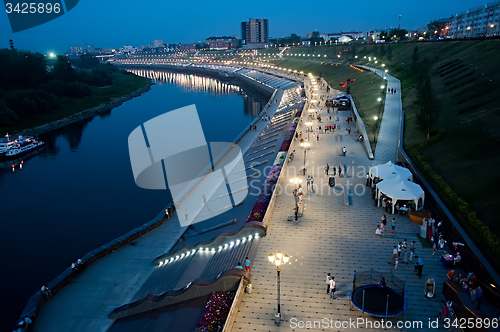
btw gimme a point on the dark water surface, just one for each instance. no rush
(78, 192)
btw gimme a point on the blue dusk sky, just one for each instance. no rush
(114, 23)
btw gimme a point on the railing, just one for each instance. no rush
(233, 311)
(361, 127)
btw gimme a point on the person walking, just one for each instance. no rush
(333, 287)
(344, 151)
(393, 226)
(312, 183)
(308, 182)
(349, 130)
(479, 296)
(328, 278)
(334, 170)
(327, 168)
(340, 171)
(394, 255)
(367, 179)
(247, 264)
(420, 265)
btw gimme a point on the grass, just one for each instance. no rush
(123, 84)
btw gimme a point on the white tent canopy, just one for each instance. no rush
(389, 171)
(401, 190)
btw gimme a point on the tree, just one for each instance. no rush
(315, 38)
(88, 61)
(398, 34)
(62, 70)
(436, 29)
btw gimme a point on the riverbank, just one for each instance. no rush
(88, 113)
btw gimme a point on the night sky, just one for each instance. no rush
(114, 23)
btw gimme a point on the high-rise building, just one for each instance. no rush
(476, 22)
(255, 31)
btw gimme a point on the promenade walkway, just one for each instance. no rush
(388, 136)
(85, 303)
(332, 237)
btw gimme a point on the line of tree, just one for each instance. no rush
(29, 86)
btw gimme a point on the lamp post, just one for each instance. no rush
(305, 145)
(296, 198)
(277, 260)
(308, 124)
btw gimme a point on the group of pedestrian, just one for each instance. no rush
(404, 252)
(349, 119)
(310, 182)
(245, 267)
(334, 170)
(391, 90)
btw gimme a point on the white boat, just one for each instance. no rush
(23, 145)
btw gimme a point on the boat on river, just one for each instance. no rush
(20, 146)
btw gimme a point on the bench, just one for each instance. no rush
(346, 196)
(339, 137)
(339, 150)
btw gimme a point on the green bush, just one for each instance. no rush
(490, 239)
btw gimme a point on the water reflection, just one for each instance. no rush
(189, 82)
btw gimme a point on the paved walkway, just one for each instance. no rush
(335, 238)
(85, 303)
(388, 136)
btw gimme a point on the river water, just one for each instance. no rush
(78, 192)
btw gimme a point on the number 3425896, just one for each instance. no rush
(33, 8)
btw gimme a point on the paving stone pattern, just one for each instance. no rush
(335, 238)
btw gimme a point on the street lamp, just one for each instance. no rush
(277, 260)
(305, 145)
(375, 128)
(308, 124)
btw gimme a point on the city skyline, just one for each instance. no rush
(109, 25)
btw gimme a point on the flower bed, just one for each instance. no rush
(260, 207)
(215, 314)
(285, 145)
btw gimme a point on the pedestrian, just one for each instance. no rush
(367, 179)
(394, 254)
(412, 253)
(396, 264)
(45, 290)
(317, 137)
(434, 248)
(247, 264)
(308, 182)
(420, 265)
(328, 278)
(334, 170)
(406, 255)
(327, 168)
(344, 151)
(378, 231)
(393, 226)
(400, 248)
(349, 130)
(479, 296)
(312, 183)
(186, 213)
(333, 288)
(340, 171)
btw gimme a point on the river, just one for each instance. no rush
(78, 192)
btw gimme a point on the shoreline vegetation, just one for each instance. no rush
(41, 95)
